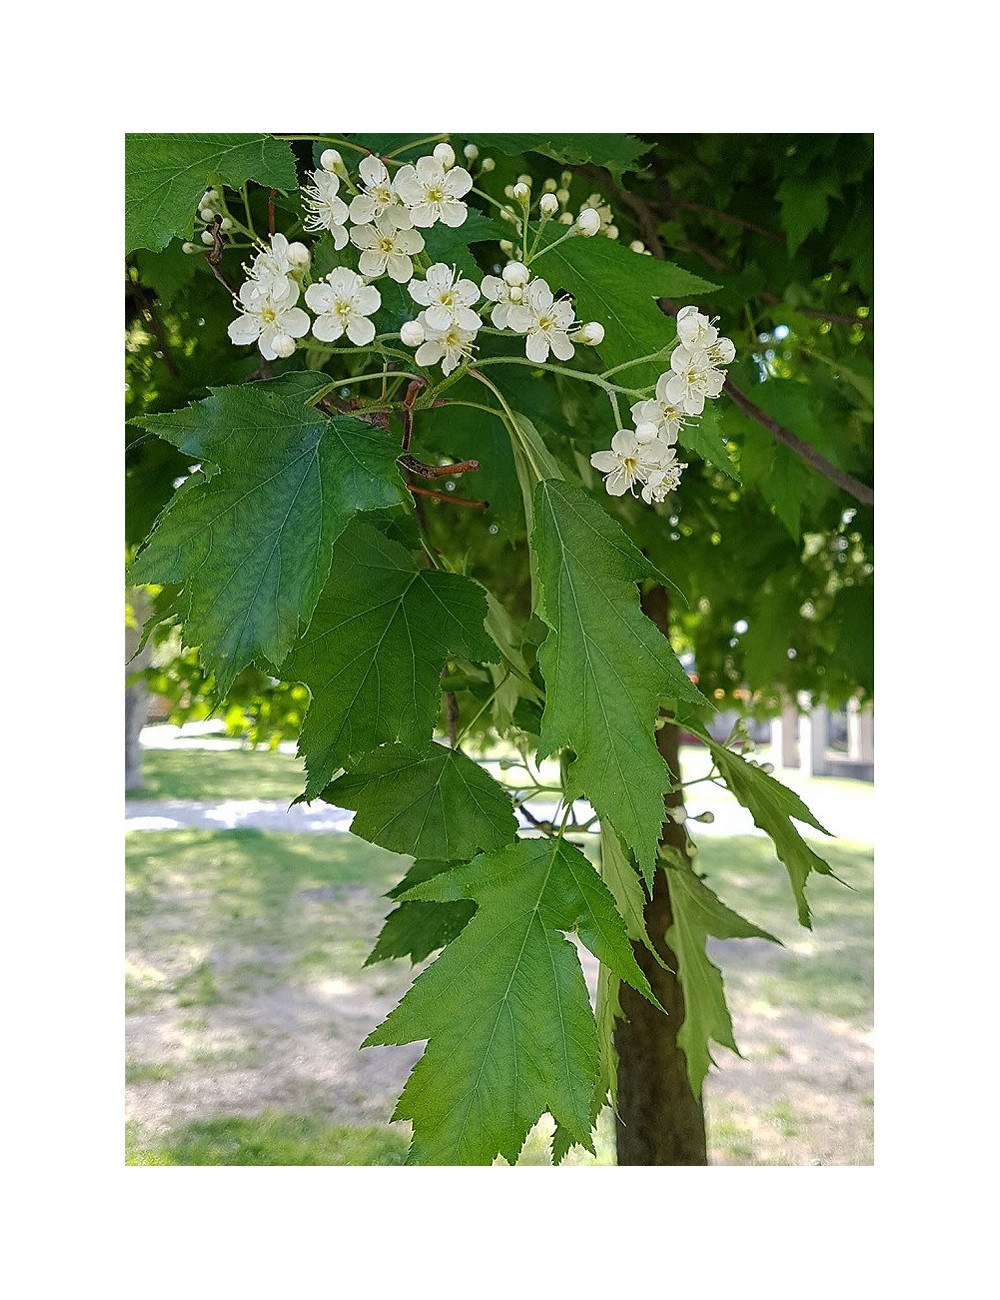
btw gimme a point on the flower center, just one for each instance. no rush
(386, 245)
(435, 196)
(546, 322)
(447, 298)
(266, 314)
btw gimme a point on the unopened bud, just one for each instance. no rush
(487, 165)
(516, 273)
(210, 197)
(190, 248)
(767, 767)
(412, 334)
(330, 160)
(562, 196)
(548, 204)
(592, 334)
(445, 154)
(637, 246)
(692, 849)
(706, 817)
(521, 192)
(207, 237)
(679, 815)
(226, 224)
(506, 246)
(611, 231)
(509, 191)
(283, 345)
(566, 179)
(298, 254)
(206, 214)
(588, 222)
(566, 218)
(525, 179)
(471, 152)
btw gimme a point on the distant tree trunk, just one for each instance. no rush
(660, 1122)
(137, 696)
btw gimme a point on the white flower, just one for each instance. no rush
(662, 479)
(433, 194)
(450, 346)
(274, 269)
(592, 334)
(698, 334)
(666, 415)
(411, 333)
(343, 302)
(269, 321)
(445, 154)
(544, 320)
(693, 379)
(378, 203)
(385, 249)
(588, 222)
(325, 211)
(629, 461)
(447, 298)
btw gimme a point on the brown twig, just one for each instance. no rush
(214, 255)
(860, 491)
(412, 389)
(270, 213)
(437, 471)
(445, 496)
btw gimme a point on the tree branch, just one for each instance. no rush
(858, 490)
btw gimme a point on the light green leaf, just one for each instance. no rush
(698, 913)
(620, 289)
(251, 535)
(373, 653)
(606, 666)
(505, 1009)
(772, 806)
(166, 175)
(432, 803)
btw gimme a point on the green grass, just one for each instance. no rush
(210, 775)
(272, 1138)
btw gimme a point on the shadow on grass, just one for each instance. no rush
(273, 1138)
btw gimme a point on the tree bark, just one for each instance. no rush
(137, 696)
(660, 1122)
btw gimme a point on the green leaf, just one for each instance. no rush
(606, 666)
(373, 653)
(450, 244)
(505, 1009)
(166, 175)
(168, 272)
(705, 438)
(698, 913)
(416, 929)
(253, 539)
(434, 803)
(804, 205)
(618, 153)
(772, 806)
(620, 288)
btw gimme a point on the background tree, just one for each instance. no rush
(769, 541)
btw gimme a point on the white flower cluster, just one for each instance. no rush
(647, 454)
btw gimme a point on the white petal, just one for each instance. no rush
(373, 171)
(371, 263)
(360, 330)
(320, 297)
(617, 484)
(364, 236)
(457, 182)
(407, 186)
(625, 444)
(294, 322)
(400, 267)
(367, 300)
(466, 319)
(327, 328)
(424, 214)
(605, 461)
(244, 329)
(428, 353)
(438, 317)
(560, 344)
(537, 348)
(453, 213)
(420, 292)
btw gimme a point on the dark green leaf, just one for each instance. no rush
(166, 175)
(618, 153)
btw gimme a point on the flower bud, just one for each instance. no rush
(330, 160)
(471, 152)
(188, 247)
(550, 185)
(445, 154)
(226, 224)
(516, 273)
(767, 767)
(679, 815)
(207, 237)
(506, 247)
(566, 218)
(206, 214)
(637, 246)
(525, 179)
(566, 179)
(594, 201)
(412, 334)
(210, 197)
(562, 196)
(487, 165)
(298, 254)
(283, 345)
(645, 430)
(521, 192)
(706, 817)
(507, 214)
(588, 222)
(592, 333)
(548, 204)
(611, 231)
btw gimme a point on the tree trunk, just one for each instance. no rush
(660, 1122)
(137, 696)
